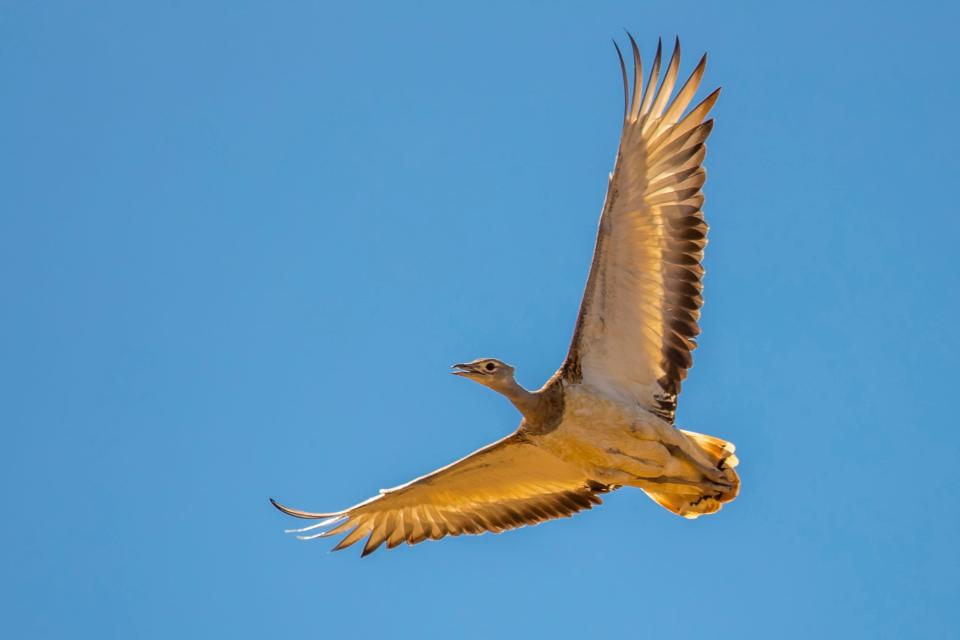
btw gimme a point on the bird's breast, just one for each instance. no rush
(594, 426)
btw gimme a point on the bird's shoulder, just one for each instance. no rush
(549, 409)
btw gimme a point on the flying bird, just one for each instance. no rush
(605, 419)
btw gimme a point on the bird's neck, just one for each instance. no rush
(525, 401)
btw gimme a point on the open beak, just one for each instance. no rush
(464, 369)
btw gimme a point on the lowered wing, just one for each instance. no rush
(508, 484)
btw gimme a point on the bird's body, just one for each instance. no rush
(615, 443)
(606, 418)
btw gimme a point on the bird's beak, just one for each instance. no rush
(463, 369)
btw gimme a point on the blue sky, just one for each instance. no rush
(240, 244)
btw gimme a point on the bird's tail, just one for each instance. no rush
(695, 500)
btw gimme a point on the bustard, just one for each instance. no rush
(605, 419)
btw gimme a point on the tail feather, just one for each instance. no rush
(692, 501)
(718, 450)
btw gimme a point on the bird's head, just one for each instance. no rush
(489, 372)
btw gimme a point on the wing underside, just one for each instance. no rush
(506, 485)
(639, 316)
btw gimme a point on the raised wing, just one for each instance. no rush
(638, 318)
(508, 484)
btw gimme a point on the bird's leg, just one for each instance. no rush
(680, 448)
(643, 460)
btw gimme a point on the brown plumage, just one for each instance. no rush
(505, 485)
(605, 419)
(652, 235)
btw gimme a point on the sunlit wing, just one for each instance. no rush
(505, 485)
(638, 318)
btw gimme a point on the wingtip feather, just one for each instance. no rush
(297, 513)
(623, 72)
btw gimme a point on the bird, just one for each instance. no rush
(606, 419)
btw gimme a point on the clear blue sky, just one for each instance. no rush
(240, 244)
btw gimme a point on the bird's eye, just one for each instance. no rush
(490, 366)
